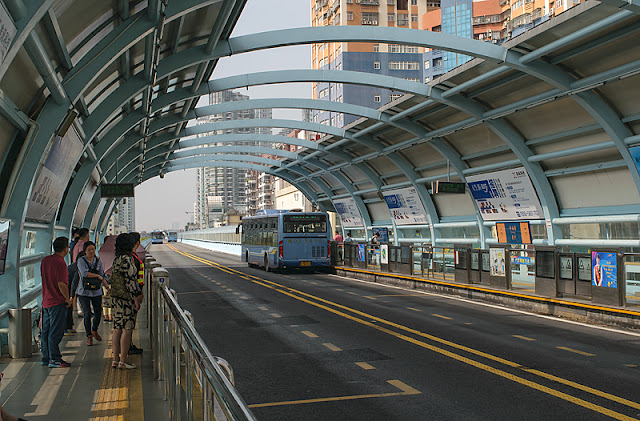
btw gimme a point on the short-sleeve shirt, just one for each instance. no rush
(83, 269)
(53, 270)
(337, 238)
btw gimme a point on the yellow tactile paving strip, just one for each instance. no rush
(120, 395)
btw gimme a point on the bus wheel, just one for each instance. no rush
(266, 263)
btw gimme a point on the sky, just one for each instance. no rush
(168, 203)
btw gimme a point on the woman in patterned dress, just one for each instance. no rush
(124, 302)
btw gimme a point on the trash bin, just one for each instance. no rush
(20, 333)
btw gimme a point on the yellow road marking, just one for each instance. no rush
(244, 297)
(276, 315)
(569, 398)
(263, 308)
(370, 297)
(236, 293)
(414, 309)
(631, 365)
(314, 283)
(194, 292)
(332, 347)
(365, 366)
(576, 351)
(309, 334)
(352, 293)
(523, 338)
(405, 391)
(468, 323)
(229, 289)
(441, 316)
(339, 289)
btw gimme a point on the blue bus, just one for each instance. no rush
(276, 239)
(157, 237)
(172, 237)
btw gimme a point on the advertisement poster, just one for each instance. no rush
(349, 213)
(8, 32)
(605, 269)
(635, 154)
(384, 234)
(362, 255)
(4, 244)
(497, 262)
(506, 194)
(405, 206)
(54, 175)
(384, 254)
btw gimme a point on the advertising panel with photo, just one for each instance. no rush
(349, 213)
(54, 176)
(405, 206)
(4, 244)
(605, 269)
(504, 195)
(384, 254)
(497, 262)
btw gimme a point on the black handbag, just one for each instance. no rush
(91, 284)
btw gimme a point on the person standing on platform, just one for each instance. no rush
(73, 285)
(89, 290)
(124, 293)
(83, 236)
(140, 268)
(74, 238)
(55, 300)
(348, 239)
(338, 238)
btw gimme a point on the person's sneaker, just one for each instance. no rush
(68, 333)
(59, 364)
(134, 350)
(96, 335)
(44, 363)
(89, 340)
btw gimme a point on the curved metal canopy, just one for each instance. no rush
(133, 74)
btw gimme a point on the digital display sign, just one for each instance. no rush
(513, 232)
(448, 187)
(116, 190)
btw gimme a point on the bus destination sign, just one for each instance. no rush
(448, 187)
(116, 190)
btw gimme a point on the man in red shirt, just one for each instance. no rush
(55, 300)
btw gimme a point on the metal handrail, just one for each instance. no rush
(232, 403)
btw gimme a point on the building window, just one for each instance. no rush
(391, 17)
(376, 98)
(427, 64)
(369, 18)
(376, 48)
(376, 65)
(414, 2)
(437, 62)
(403, 19)
(427, 79)
(349, 15)
(404, 65)
(395, 48)
(414, 18)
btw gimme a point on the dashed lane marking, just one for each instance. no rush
(263, 308)
(332, 347)
(276, 315)
(405, 390)
(365, 366)
(414, 309)
(576, 351)
(352, 293)
(524, 338)
(309, 334)
(441, 316)
(194, 292)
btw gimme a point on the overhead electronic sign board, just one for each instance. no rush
(116, 190)
(456, 187)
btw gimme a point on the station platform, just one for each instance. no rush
(90, 389)
(572, 308)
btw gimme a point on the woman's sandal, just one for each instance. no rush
(127, 366)
(115, 364)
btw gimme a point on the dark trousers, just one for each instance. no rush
(53, 322)
(69, 321)
(86, 303)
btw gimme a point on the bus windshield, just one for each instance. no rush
(304, 224)
(157, 235)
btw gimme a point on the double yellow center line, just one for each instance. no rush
(377, 323)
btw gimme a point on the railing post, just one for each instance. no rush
(178, 375)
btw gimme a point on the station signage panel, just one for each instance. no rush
(349, 213)
(506, 194)
(116, 190)
(513, 232)
(405, 206)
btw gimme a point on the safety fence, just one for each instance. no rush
(197, 385)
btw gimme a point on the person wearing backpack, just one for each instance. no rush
(89, 292)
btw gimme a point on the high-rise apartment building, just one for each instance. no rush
(402, 61)
(221, 189)
(123, 218)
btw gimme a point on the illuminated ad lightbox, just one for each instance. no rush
(605, 269)
(349, 213)
(506, 194)
(405, 206)
(54, 176)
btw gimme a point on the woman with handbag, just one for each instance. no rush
(89, 292)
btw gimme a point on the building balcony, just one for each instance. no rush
(369, 2)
